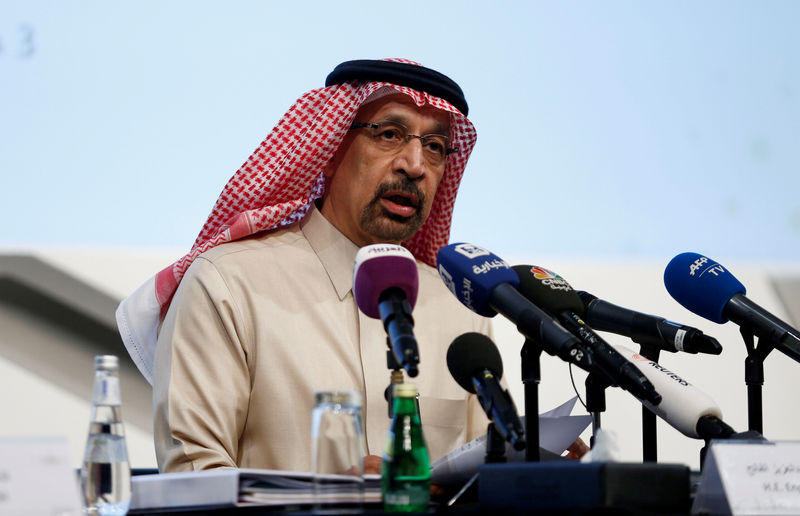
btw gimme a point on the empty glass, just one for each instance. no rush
(337, 452)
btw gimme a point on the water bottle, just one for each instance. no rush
(406, 473)
(106, 472)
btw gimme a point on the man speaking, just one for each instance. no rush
(260, 314)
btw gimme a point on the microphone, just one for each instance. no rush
(385, 283)
(685, 407)
(551, 292)
(648, 330)
(709, 290)
(476, 365)
(486, 284)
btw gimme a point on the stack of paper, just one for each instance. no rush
(236, 487)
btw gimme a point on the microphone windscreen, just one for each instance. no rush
(701, 285)
(548, 290)
(471, 353)
(379, 267)
(472, 273)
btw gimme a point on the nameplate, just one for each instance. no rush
(36, 477)
(750, 477)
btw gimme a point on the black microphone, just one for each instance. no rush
(648, 330)
(476, 365)
(385, 283)
(486, 284)
(708, 289)
(551, 292)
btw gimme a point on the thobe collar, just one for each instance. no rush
(335, 251)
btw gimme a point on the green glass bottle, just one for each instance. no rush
(406, 473)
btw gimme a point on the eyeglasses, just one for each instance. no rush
(391, 136)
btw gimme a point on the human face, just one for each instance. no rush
(377, 196)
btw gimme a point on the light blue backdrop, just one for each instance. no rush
(622, 129)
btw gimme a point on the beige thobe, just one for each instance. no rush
(258, 325)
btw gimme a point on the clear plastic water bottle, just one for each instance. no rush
(106, 472)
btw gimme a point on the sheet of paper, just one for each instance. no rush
(557, 430)
(564, 409)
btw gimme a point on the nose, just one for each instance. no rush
(411, 159)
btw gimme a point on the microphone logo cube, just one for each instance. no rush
(471, 251)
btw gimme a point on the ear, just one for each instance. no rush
(330, 166)
(333, 164)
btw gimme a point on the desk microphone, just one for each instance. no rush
(385, 283)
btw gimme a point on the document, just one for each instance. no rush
(237, 487)
(557, 430)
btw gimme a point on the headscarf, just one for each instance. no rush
(276, 187)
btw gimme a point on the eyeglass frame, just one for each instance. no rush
(422, 138)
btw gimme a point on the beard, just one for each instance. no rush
(389, 227)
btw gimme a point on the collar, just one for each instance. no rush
(335, 251)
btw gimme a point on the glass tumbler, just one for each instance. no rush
(337, 452)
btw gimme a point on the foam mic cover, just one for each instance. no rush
(701, 285)
(548, 290)
(380, 267)
(472, 273)
(469, 355)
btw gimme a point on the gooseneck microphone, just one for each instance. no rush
(385, 283)
(476, 365)
(708, 289)
(648, 330)
(486, 284)
(551, 292)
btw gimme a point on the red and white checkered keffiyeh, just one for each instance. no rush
(276, 186)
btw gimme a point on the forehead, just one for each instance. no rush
(401, 108)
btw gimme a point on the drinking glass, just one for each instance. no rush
(337, 452)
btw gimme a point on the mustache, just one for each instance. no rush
(405, 185)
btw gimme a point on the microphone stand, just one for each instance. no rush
(649, 432)
(395, 376)
(596, 386)
(531, 376)
(495, 454)
(754, 377)
(495, 445)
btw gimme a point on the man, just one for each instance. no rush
(265, 316)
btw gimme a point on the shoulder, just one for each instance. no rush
(276, 241)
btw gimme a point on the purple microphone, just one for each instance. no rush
(385, 284)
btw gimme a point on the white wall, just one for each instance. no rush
(32, 406)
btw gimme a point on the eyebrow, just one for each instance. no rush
(400, 119)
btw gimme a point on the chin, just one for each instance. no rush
(390, 230)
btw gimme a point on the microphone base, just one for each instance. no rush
(573, 486)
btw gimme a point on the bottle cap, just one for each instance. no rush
(405, 390)
(106, 362)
